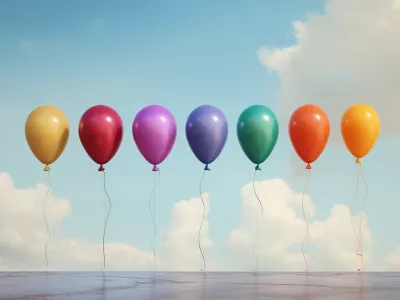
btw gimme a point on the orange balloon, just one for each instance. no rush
(309, 130)
(360, 129)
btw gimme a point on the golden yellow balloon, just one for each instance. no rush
(360, 129)
(47, 133)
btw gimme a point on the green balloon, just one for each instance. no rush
(257, 131)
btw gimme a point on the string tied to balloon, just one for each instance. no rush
(152, 211)
(309, 130)
(202, 221)
(106, 221)
(47, 134)
(45, 220)
(352, 205)
(360, 250)
(154, 132)
(206, 132)
(360, 127)
(306, 237)
(258, 205)
(257, 131)
(101, 125)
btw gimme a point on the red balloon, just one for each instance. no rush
(309, 130)
(100, 132)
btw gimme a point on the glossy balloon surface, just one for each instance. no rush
(360, 129)
(100, 132)
(257, 131)
(309, 130)
(47, 133)
(154, 132)
(206, 132)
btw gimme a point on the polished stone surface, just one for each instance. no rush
(192, 286)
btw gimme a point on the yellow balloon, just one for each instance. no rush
(47, 133)
(360, 129)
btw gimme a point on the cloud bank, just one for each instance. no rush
(348, 54)
(281, 231)
(23, 235)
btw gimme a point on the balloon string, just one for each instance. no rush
(361, 254)
(153, 216)
(255, 242)
(305, 220)
(45, 219)
(256, 194)
(352, 205)
(202, 220)
(106, 222)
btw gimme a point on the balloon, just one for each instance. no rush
(257, 131)
(360, 129)
(309, 130)
(206, 133)
(47, 133)
(100, 132)
(154, 131)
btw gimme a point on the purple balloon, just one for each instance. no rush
(206, 132)
(154, 132)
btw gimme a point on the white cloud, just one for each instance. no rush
(349, 54)
(282, 229)
(23, 235)
(180, 245)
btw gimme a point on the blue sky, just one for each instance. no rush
(179, 54)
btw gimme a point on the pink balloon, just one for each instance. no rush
(154, 131)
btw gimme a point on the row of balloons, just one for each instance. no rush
(154, 131)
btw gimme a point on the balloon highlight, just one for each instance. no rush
(206, 133)
(154, 132)
(309, 130)
(47, 133)
(100, 132)
(257, 131)
(360, 129)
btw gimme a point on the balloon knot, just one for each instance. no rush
(258, 168)
(155, 168)
(207, 168)
(358, 160)
(101, 169)
(46, 168)
(308, 167)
